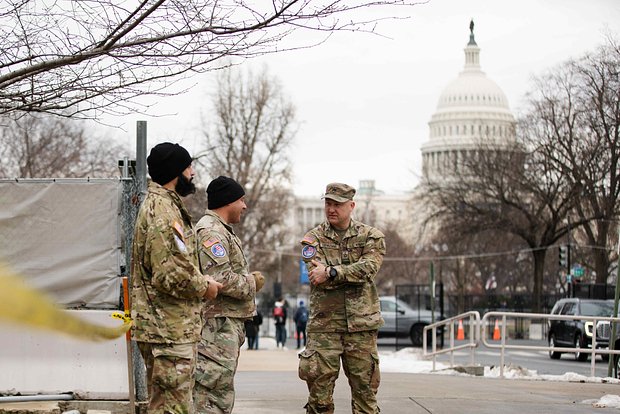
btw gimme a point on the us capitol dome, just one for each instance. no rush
(472, 111)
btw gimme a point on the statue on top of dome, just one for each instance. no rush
(472, 41)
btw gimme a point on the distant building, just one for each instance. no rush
(472, 115)
(472, 109)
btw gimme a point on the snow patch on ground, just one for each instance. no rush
(411, 360)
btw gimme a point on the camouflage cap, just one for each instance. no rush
(339, 192)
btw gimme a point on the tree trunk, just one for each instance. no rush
(460, 287)
(539, 269)
(601, 265)
(601, 256)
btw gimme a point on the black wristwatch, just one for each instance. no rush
(332, 272)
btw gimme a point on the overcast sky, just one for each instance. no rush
(364, 101)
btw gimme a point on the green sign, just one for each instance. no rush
(578, 271)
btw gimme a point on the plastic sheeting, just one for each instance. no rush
(63, 237)
(35, 362)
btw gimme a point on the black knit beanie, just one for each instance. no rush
(167, 161)
(223, 191)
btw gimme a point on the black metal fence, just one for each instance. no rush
(421, 301)
(593, 291)
(493, 302)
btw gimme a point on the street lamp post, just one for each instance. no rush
(432, 290)
(277, 286)
(612, 367)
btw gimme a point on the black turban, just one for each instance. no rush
(167, 161)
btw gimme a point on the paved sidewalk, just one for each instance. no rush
(267, 383)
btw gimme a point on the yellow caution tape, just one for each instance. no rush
(26, 306)
(122, 316)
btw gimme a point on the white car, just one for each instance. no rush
(403, 321)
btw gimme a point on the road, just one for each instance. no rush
(538, 361)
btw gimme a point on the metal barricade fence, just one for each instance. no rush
(478, 335)
(474, 336)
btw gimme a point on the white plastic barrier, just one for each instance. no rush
(41, 362)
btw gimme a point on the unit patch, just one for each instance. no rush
(308, 252)
(218, 250)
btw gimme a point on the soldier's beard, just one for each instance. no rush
(184, 186)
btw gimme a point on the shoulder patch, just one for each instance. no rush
(308, 252)
(209, 242)
(180, 244)
(218, 250)
(179, 229)
(308, 239)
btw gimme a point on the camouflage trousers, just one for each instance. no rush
(170, 371)
(218, 353)
(319, 365)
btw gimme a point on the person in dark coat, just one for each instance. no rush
(301, 319)
(252, 327)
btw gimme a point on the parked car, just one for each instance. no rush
(576, 333)
(403, 321)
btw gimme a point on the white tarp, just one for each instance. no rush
(63, 237)
(37, 361)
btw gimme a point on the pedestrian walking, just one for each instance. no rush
(252, 330)
(279, 318)
(301, 319)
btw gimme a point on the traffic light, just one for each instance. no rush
(564, 260)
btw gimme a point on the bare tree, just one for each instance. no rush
(511, 189)
(575, 113)
(49, 146)
(562, 173)
(247, 139)
(400, 266)
(467, 261)
(75, 57)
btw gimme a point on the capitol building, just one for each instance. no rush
(472, 111)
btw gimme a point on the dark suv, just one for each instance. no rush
(576, 333)
(603, 333)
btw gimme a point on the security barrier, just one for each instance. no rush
(478, 335)
(473, 318)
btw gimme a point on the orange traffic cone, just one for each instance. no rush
(496, 335)
(460, 332)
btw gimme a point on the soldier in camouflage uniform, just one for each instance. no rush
(343, 257)
(168, 290)
(221, 255)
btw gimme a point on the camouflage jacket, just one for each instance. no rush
(167, 287)
(348, 302)
(221, 256)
